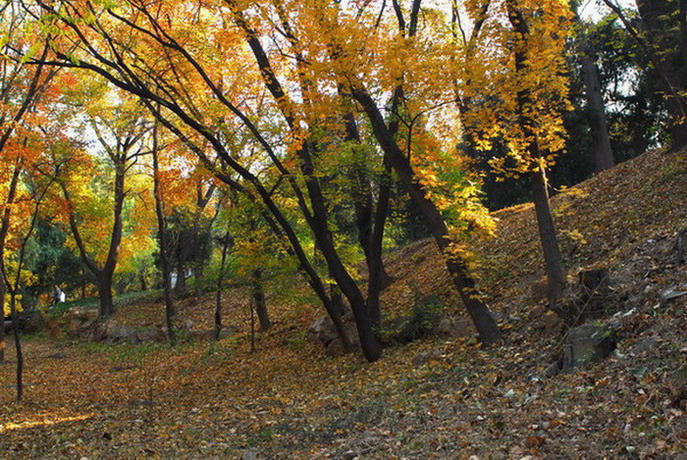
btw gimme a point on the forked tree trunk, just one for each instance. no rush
(479, 313)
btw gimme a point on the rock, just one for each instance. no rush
(323, 331)
(423, 358)
(251, 454)
(79, 320)
(151, 334)
(228, 331)
(678, 387)
(454, 328)
(588, 343)
(553, 369)
(593, 280)
(335, 348)
(671, 294)
(643, 346)
(31, 321)
(543, 319)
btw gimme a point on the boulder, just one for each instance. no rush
(678, 387)
(228, 331)
(543, 319)
(117, 333)
(588, 343)
(426, 356)
(449, 327)
(31, 321)
(324, 332)
(151, 334)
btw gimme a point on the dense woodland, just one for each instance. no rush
(213, 175)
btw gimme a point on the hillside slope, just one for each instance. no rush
(286, 400)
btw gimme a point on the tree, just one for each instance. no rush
(121, 140)
(21, 86)
(596, 107)
(663, 37)
(170, 310)
(518, 96)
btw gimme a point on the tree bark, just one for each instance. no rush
(547, 234)
(17, 347)
(4, 230)
(258, 294)
(596, 107)
(220, 282)
(104, 281)
(596, 110)
(170, 310)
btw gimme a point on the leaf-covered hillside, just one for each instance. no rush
(288, 400)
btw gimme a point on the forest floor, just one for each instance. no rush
(288, 400)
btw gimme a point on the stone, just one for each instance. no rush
(423, 358)
(117, 333)
(543, 319)
(335, 348)
(228, 331)
(678, 387)
(588, 343)
(454, 328)
(643, 346)
(31, 321)
(252, 454)
(323, 331)
(553, 369)
(151, 334)
(671, 294)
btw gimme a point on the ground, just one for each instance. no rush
(288, 400)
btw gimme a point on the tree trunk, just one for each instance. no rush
(596, 109)
(547, 235)
(104, 281)
(170, 310)
(337, 300)
(4, 230)
(465, 285)
(220, 282)
(180, 286)
(2, 309)
(677, 124)
(540, 191)
(259, 300)
(17, 347)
